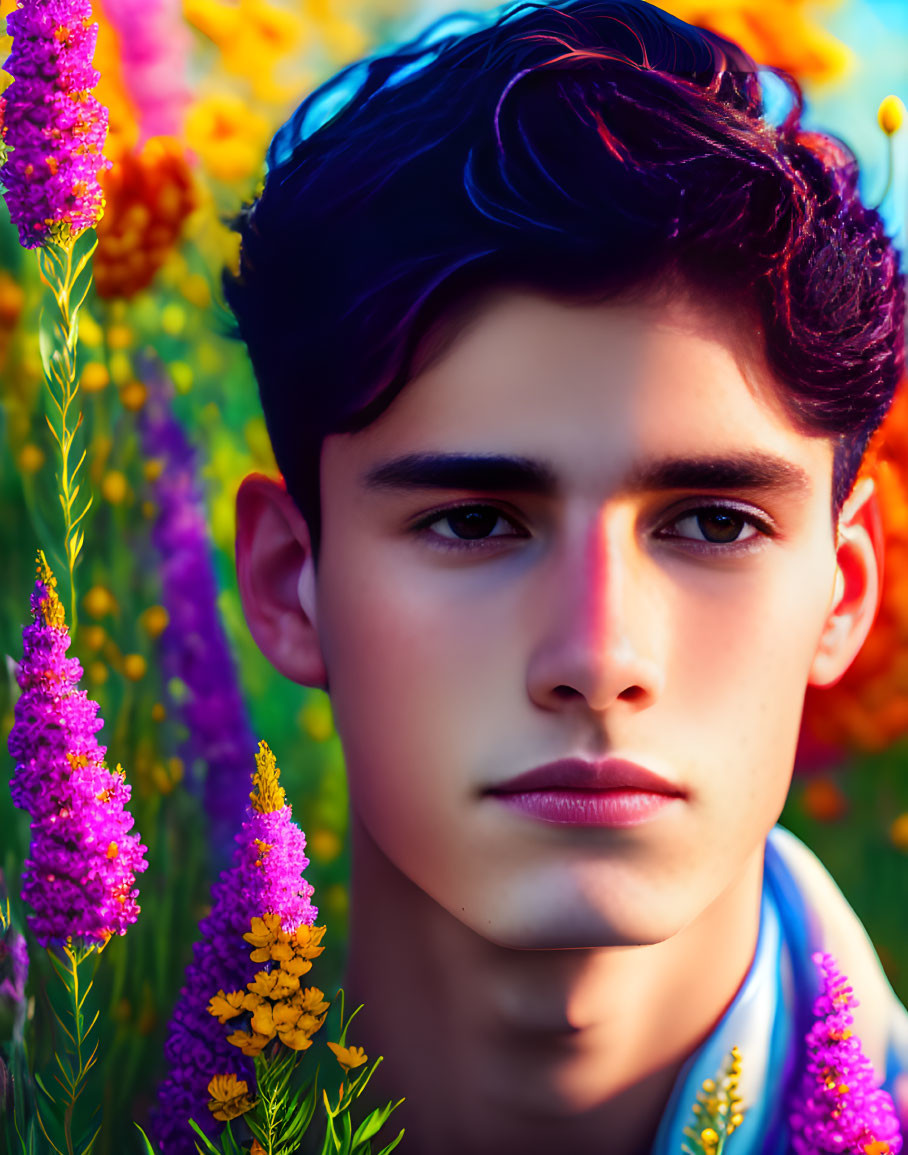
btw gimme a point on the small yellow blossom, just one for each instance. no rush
(228, 136)
(229, 1097)
(263, 1020)
(155, 620)
(249, 1044)
(349, 1057)
(898, 832)
(114, 486)
(306, 940)
(273, 984)
(312, 1000)
(133, 396)
(264, 931)
(94, 376)
(158, 712)
(119, 336)
(31, 458)
(325, 845)
(98, 602)
(292, 966)
(135, 667)
(891, 115)
(226, 1006)
(92, 637)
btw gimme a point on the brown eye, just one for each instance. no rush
(720, 525)
(715, 525)
(471, 522)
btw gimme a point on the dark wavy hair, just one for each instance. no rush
(585, 148)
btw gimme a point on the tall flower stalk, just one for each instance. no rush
(79, 877)
(54, 133)
(194, 648)
(274, 1018)
(840, 1108)
(266, 876)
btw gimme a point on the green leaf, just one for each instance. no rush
(149, 1149)
(209, 1147)
(373, 1123)
(392, 1144)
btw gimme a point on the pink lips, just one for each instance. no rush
(575, 792)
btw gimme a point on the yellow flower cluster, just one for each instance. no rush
(279, 1006)
(719, 1108)
(266, 797)
(229, 1097)
(51, 606)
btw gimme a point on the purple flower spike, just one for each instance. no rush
(54, 128)
(266, 877)
(79, 877)
(194, 647)
(840, 1108)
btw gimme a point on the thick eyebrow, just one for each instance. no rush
(492, 474)
(497, 474)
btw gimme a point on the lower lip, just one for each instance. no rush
(615, 808)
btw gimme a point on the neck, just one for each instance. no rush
(498, 1049)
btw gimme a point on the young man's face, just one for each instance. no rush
(647, 581)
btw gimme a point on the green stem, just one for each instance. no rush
(79, 1062)
(66, 271)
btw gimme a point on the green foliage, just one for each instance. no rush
(70, 1126)
(66, 271)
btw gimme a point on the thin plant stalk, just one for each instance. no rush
(66, 271)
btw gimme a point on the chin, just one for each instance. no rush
(570, 926)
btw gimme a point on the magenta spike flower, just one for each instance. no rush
(80, 875)
(54, 128)
(840, 1107)
(266, 877)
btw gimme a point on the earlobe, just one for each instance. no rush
(857, 588)
(276, 575)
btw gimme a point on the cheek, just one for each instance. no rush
(404, 675)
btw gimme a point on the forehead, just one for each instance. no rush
(594, 390)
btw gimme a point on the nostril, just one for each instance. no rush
(566, 693)
(632, 694)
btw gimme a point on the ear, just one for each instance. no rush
(858, 585)
(276, 575)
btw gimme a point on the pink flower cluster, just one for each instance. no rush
(154, 48)
(54, 129)
(79, 877)
(840, 1108)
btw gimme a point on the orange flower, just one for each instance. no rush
(229, 1097)
(782, 33)
(349, 1057)
(868, 708)
(149, 195)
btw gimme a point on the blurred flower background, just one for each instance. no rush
(171, 424)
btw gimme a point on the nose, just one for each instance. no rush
(602, 631)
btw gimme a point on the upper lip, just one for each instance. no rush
(579, 774)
